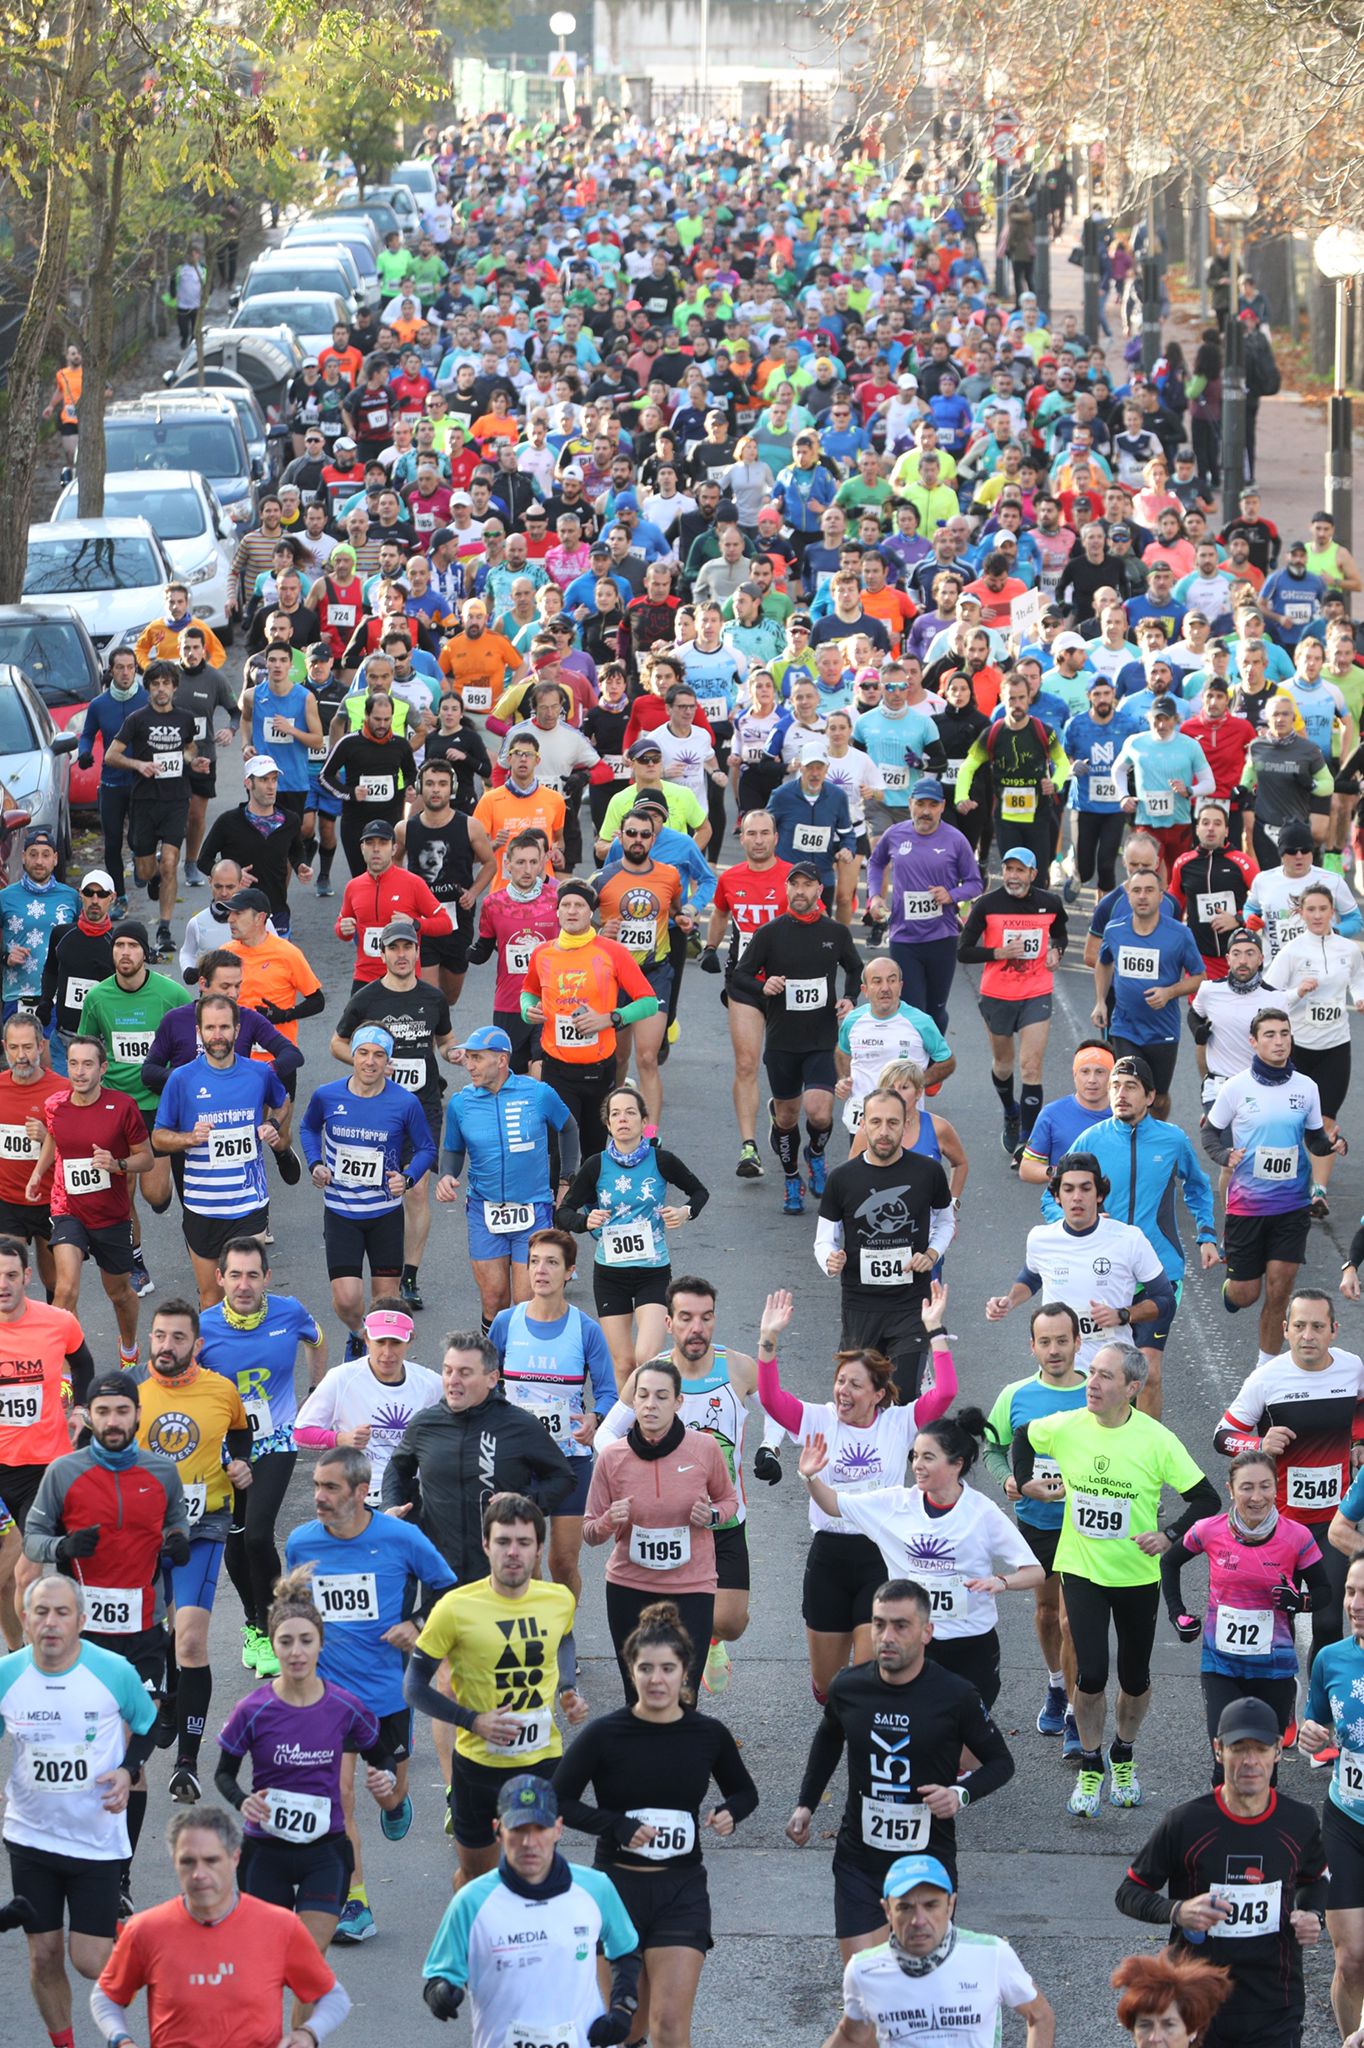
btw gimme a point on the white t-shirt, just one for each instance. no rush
(350, 1394)
(860, 1460)
(1229, 1011)
(855, 773)
(959, 2002)
(973, 1540)
(684, 760)
(1320, 1019)
(1275, 896)
(1106, 1264)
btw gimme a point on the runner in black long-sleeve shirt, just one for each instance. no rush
(791, 967)
(904, 1723)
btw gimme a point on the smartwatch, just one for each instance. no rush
(615, 1020)
(1124, 1316)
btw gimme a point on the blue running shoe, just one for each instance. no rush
(819, 1170)
(1052, 1719)
(794, 1205)
(396, 1824)
(356, 1923)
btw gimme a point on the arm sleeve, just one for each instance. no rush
(1200, 1502)
(419, 1692)
(1171, 1574)
(225, 1779)
(826, 1748)
(680, 1176)
(983, 1739)
(581, 1198)
(782, 1407)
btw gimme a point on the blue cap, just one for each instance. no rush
(488, 1038)
(529, 1802)
(907, 1871)
(930, 787)
(40, 836)
(1021, 853)
(626, 501)
(372, 1034)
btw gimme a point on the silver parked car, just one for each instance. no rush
(35, 766)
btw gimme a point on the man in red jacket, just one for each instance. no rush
(1224, 738)
(383, 893)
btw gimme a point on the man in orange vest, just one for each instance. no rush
(66, 403)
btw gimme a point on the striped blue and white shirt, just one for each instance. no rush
(225, 1176)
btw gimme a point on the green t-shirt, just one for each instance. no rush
(1113, 1483)
(393, 265)
(125, 1025)
(685, 813)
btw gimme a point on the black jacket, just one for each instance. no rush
(449, 1465)
(269, 854)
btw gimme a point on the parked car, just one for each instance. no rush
(261, 445)
(308, 267)
(58, 656)
(379, 208)
(197, 430)
(183, 512)
(35, 764)
(420, 179)
(354, 231)
(309, 316)
(267, 359)
(113, 572)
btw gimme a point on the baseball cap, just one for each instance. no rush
(1164, 707)
(1135, 1069)
(441, 535)
(372, 1034)
(377, 828)
(929, 787)
(321, 650)
(343, 441)
(1024, 855)
(118, 1385)
(246, 899)
(907, 1871)
(387, 1322)
(813, 750)
(626, 501)
(1248, 1720)
(803, 867)
(259, 764)
(749, 589)
(642, 749)
(1120, 531)
(526, 1801)
(488, 1038)
(907, 383)
(40, 836)
(460, 498)
(768, 514)
(1063, 641)
(399, 928)
(98, 878)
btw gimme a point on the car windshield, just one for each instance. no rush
(210, 446)
(58, 567)
(281, 279)
(361, 251)
(51, 654)
(16, 733)
(171, 515)
(301, 316)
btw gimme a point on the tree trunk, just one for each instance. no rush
(28, 374)
(106, 208)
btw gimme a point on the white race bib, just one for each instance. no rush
(660, 1550)
(196, 1500)
(1256, 1909)
(1313, 1486)
(132, 1047)
(811, 838)
(947, 1597)
(674, 1831)
(60, 1767)
(1350, 1776)
(553, 1411)
(20, 1406)
(258, 1414)
(1138, 963)
(808, 993)
(619, 771)
(900, 1830)
(478, 697)
(715, 710)
(532, 2034)
(232, 1145)
(113, 1610)
(201, 728)
(1221, 903)
(342, 615)
(566, 1031)
(15, 1143)
(886, 1269)
(1159, 803)
(274, 734)
(375, 789)
(1325, 1016)
(369, 945)
(1103, 789)
(76, 991)
(1245, 1631)
(297, 1816)
(518, 952)
(895, 781)
(918, 906)
(1018, 805)
(347, 1596)
(1097, 1516)
(409, 1074)
(1276, 1162)
(627, 1244)
(508, 1219)
(1026, 941)
(358, 1166)
(169, 767)
(639, 935)
(83, 1177)
(534, 1732)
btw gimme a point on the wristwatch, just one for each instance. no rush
(1124, 1316)
(616, 1020)
(963, 1795)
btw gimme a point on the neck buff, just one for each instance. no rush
(641, 1151)
(1252, 1536)
(531, 895)
(674, 1435)
(1273, 1077)
(921, 1966)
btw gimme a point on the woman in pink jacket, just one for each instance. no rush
(657, 1494)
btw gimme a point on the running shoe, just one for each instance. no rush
(1124, 1787)
(251, 1642)
(324, 886)
(195, 878)
(1072, 1749)
(396, 1824)
(166, 1730)
(184, 1786)
(1052, 1719)
(1324, 1758)
(267, 1663)
(1319, 1208)
(356, 1923)
(290, 1166)
(355, 1347)
(718, 1666)
(142, 1280)
(1084, 1800)
(165, 939)
(1070, 889)
(120, 909)
(794, 1205)
(750, 1166)
(1290, 1741)
(126, 1908)
(410, 1294)
(1012, 1134)
(819, 1170)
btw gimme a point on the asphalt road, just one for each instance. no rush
(1028, 1869)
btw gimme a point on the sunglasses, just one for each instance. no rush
(97, 892)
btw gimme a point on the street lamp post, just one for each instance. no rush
(1233, 201)
(1150, 161)
(1339, 254)
(563, 26)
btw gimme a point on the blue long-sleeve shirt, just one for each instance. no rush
(680, 852)
(504, 1135)
(1146, 1164)
(362, 1139)
(812, 828)
(31, 912)
(177, 1043)
(104, 719)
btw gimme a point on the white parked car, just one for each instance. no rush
(111, 572)
(182, 509)
(309, 316)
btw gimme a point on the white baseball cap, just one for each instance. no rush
(259, 764)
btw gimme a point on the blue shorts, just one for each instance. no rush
(502, 1244)
(195, 1583)
(576, 1504)
(322, 801)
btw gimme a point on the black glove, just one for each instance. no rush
(18, 1913)
(767, 1466)
(176, 1546)
(1188, 1627)
(610, 2028)
(1288, 1599)
(710, 960)
(271, 1011)
(80, 1543)
(444, 1999)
